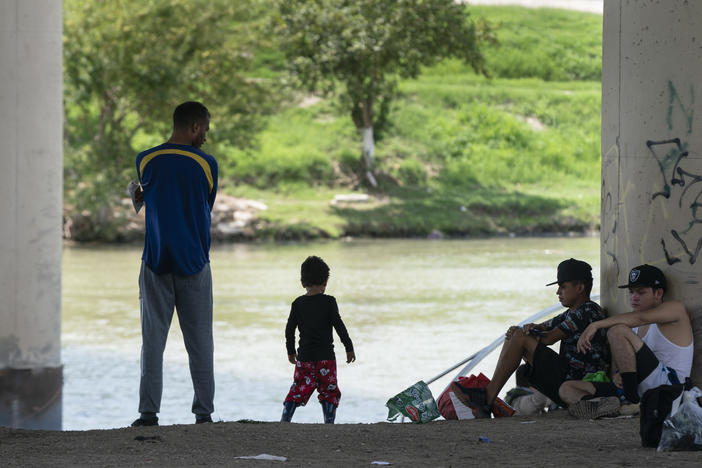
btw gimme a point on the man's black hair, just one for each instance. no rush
(314, 272)
(189, 113)
(521, 375)
(588, 286)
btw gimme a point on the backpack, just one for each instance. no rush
(656, 405)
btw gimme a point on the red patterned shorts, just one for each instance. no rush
(311, 375)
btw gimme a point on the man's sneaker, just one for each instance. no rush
(500, 409)
(629, 409)
(203, 419)
(145, 422)
(595, 408)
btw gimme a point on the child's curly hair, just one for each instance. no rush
(314, 272)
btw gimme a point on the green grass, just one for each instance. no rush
(504, 131)
(460, 157)
(299, 146)
(461, 154)
(550, 44)
(303, 213)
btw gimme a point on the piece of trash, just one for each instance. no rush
(527, 422)
(380, 463)
(484, 439)
(264, 456)
(150, 439)
(132, 190)
(350, 198)
(415, 402)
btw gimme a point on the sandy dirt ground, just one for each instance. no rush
(555, 440)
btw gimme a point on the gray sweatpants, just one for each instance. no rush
(192, 297)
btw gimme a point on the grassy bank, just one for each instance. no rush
(462, 154)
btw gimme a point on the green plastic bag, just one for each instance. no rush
(416, 402)
(599, 376)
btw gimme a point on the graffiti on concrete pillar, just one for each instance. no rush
(674, 98)
(692, 256)
(670, 156)
(608, 227)
(608, 217)
(609, 223)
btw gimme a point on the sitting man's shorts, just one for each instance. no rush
(548, 372)
(649, 372)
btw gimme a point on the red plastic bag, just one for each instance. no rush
(453, 404)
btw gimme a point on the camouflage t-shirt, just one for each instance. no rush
(573, 323)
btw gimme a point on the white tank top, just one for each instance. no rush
(670, 354)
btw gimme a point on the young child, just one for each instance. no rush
(315, 314)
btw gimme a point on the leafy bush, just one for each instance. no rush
(412, 173)
(264, 170)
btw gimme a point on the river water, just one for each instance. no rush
(413, 308)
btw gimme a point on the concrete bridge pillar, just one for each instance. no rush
(31, 123)
(652, 150)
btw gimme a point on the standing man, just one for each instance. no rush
(658, 353)
(179, 185)
(548, 369)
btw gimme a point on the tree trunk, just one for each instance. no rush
(368, 154)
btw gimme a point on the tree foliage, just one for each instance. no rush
(128, 63)
(358, 49)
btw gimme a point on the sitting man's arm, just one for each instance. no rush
(667, 312)
(547, 337)
(541, 329)
(552, 336)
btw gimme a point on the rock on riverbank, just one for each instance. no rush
(232, 219)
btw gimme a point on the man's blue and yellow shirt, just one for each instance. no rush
(180, 186)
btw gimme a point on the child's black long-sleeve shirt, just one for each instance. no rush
(315, 316)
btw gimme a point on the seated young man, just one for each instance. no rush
(658, 353)
(548, 369)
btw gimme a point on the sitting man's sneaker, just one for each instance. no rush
(146, 419)
(202, 419)
(629, 409)
(595, 408)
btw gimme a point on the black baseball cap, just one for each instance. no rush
(573, 270)
(646, 276)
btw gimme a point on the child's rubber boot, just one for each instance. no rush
(329, 410)
(288, 411)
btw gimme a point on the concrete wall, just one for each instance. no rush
(31, 122)
(652, 150)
